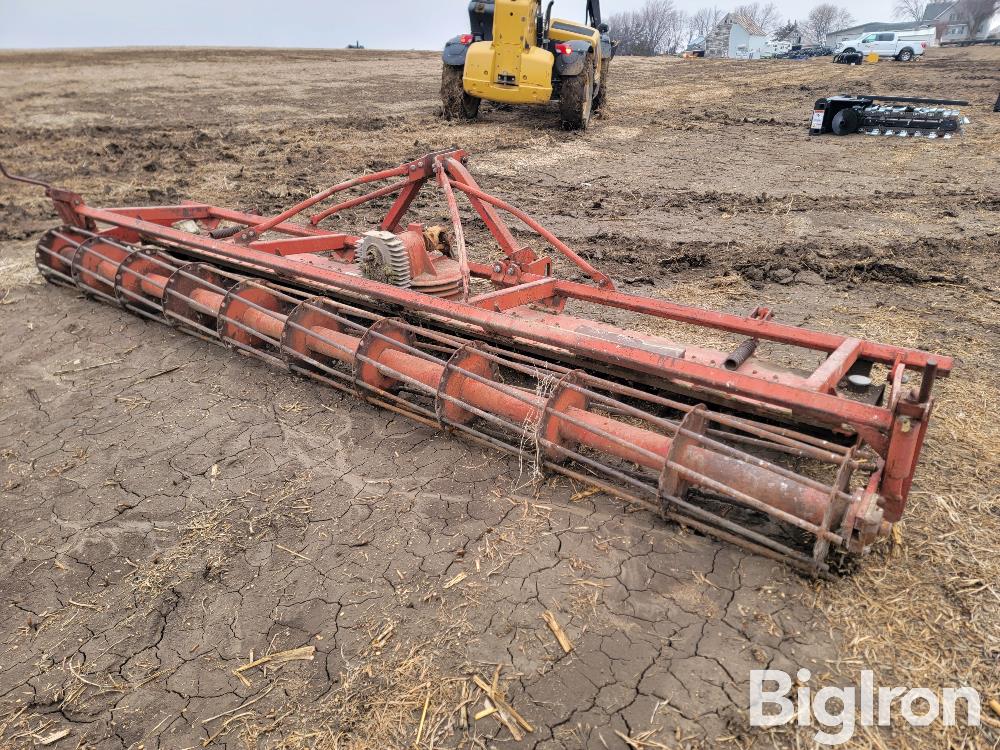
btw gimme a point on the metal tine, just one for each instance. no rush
(53, 272)
(311, 332)
(493, 418)
(754, 503)
(87, 289)
(286, 294)
(145, 313)
(601, 433)
(671, 426)
(208, 284)
(58, 233)
(136, 274)
(405, 407)
(276, 361)
(190, 301)
(186, 322)
(152, 258)
(280, 317)
(141, 276)
(50, 252)
(308, 302)
(736, 422)
(316, 363)
(99, 295)
(213, 334)
(741, 535)
(194, 305)
(91, 249)
(357, 311)
(724, 419)
(734, 437)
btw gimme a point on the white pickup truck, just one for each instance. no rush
(903, 45)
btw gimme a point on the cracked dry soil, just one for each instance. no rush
(173, 511)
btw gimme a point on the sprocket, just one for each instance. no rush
(383, 257)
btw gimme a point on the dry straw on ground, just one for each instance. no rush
(925, 611)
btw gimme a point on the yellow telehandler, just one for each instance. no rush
(515, 54)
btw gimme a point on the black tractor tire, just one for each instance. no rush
(905, 55)
(455, 103)
(846, 121)
(602, 92)
(576, 98)
(849, 50)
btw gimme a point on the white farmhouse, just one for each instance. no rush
(736, 36)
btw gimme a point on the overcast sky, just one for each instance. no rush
(383, 24)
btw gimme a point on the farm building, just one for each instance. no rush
(953, 20)
(735, 36)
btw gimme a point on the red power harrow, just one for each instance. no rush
(403, 318)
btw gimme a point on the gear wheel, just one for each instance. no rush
(383, 257)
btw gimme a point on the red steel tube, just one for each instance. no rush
(394, 188)
(107, 269)
(562, 247)
(300, 207)
(270, 324)
(206, 301)
(348, 342)
(153, 284)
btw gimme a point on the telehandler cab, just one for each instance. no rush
(516, 55)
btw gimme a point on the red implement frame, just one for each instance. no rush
(527, 307)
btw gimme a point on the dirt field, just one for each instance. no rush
(172, 511)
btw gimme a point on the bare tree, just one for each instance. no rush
(765, 15)
(789, 30)
(655, 28)
(823, 19)
(678, 36)
(977, 13)
(912, 10)
(703, 21)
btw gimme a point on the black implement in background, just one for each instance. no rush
(847, 113)
(910, 99)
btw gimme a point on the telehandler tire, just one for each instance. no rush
(576, 98)
(603, 91)
(456, 104)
